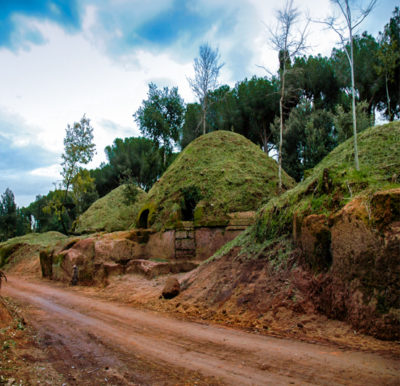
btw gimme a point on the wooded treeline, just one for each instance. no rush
(317, 114)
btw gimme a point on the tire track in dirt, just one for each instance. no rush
(234, 356)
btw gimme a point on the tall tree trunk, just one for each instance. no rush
(353, 91)
(64, 207)
(391, 116)
(264, 139)
(281, 100)
(204, 114)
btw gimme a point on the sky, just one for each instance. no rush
(61, 59)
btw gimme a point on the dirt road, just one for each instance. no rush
(91, 341)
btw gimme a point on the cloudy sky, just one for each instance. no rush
(60, 59)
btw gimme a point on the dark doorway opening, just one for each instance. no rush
(143, 219)
(191, 197)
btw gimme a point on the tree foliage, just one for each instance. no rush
(8, 215)
(136, 158)
(388, 66)
(160, 117)
(79, 149)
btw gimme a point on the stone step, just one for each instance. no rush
(185, 254)
(185, 244)
(184, 234)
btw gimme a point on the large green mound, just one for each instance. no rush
(331, 243)
(110, 213)
(218, 173)
(334, 181)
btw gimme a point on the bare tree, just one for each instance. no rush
(346, 24)
(206, 69)
(289, 42)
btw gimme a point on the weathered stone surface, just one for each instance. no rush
(161, 245)
(181, 234)
(148, 268)
(117, 249)
(209, 240)
(171, 288)
(113, 269)
(185, 254)
(315, 242)
(361, 283)
(185, 244)
(182, 266)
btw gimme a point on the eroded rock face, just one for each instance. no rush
(148, 268)
(102, 256)
(96, 258)
(357, 255)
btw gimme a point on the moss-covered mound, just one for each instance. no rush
(334, 181)
(110, 213)
(218, 173)
(336, 236)
(32, 241)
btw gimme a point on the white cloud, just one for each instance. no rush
(52, 172)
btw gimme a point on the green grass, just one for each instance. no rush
(39, 240)
(334, 181)
(110, 213)
(230, 173)
(327, 188)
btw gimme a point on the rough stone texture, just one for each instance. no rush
(315, 242)
(171, 288)
(161, 245)
(117, 250)
(361, 283)
(209, 240)
(185, 244)
(148, 268)
(113, 269)
(182, 266)
(5, 317)
(46, 263)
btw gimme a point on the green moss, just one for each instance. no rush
(6, 252)
(334, 181)
(229, 174)
(110, 213)
(41, 239)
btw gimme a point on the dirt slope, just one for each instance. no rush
(328, 246)
(73, 326)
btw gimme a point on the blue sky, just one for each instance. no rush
(60, 59)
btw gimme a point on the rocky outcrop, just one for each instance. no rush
(356, 256)
(171, 288)
(105, 255)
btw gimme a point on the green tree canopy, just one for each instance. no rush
(388, 66)
(160, 117)
(138, 158)
(8, 215)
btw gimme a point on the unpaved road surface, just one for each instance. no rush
(92, 342)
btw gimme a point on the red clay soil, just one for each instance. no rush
(91, 341)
